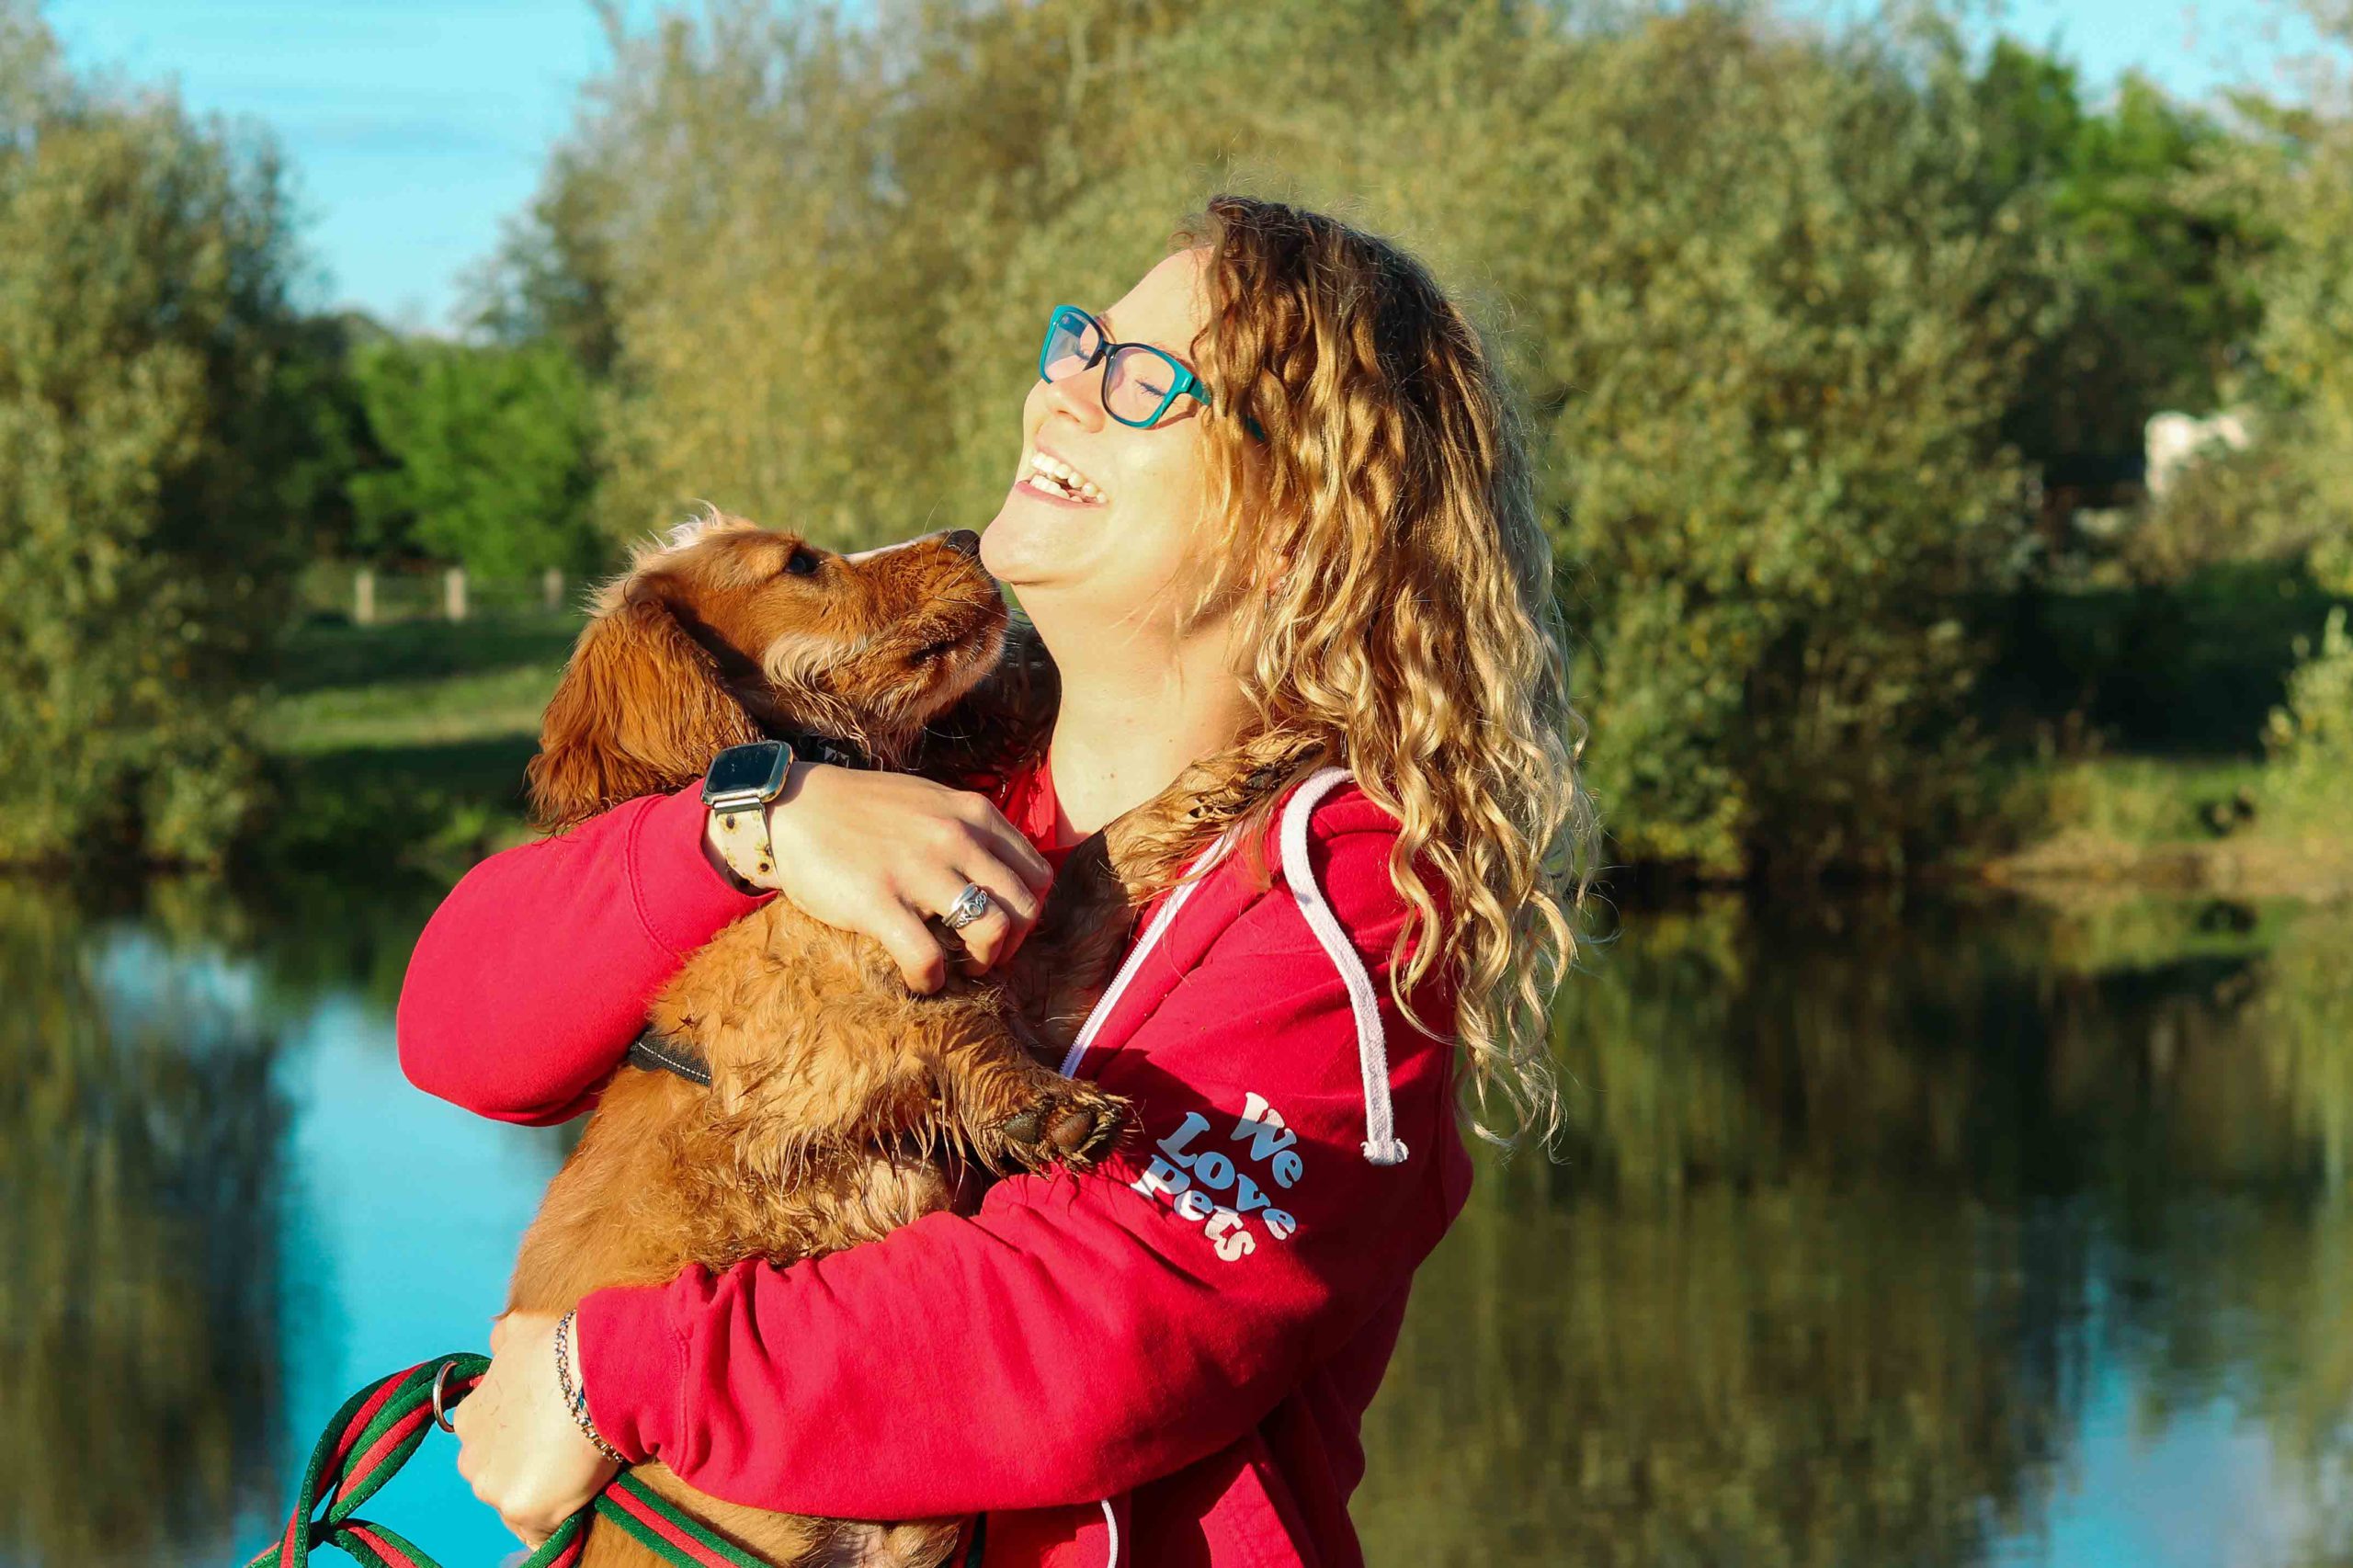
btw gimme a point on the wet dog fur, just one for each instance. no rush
(841, 1105)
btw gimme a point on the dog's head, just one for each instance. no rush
(727, 633)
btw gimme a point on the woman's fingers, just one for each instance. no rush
(1002, 841)
(923, 962)
(991, 938)
(885, 853)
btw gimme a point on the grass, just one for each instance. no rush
(411, 737)
(412, 714)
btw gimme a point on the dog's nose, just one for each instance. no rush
(964, 541)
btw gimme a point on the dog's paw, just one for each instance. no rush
(1073, 1123)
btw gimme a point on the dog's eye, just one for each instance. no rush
(801, 563)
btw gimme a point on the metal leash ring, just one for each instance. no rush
(440, 1397)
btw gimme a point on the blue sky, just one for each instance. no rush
(415, 127)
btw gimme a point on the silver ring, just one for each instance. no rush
(970, 905)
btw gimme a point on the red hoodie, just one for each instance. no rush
(1163, 1362)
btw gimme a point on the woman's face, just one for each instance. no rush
(1109, 561)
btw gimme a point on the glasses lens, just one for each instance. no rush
(1073, 343)
(1138, 384)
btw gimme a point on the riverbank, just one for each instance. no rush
(2227, 826)
(414, 736)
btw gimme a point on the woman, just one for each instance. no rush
(1290, 535)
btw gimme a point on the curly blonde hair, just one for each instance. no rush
(1393, 586)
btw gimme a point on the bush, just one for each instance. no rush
(2310, 735)
(1779, 326)
(2302, 176)
(145, 553)
(2225, 508)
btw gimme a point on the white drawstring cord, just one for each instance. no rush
(1382, 1146)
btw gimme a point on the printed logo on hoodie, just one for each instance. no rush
(1224, 1188)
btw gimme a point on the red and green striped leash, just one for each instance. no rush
(376, 1430)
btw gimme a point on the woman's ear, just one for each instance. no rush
(641, 709)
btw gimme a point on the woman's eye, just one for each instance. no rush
(800, 563)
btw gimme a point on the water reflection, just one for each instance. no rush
(139, 1138)
(1886, 1233)
(224, 1210)
(1917, 1234)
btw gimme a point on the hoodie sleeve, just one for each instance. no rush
(1080, 1334)
(533, 976)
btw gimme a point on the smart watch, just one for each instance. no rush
(741, 783)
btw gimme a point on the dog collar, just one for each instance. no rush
(823, 748)
(659, 1053)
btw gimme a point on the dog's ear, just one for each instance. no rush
(641, 707)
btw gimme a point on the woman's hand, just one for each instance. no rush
(882, 852)
(516, 1443)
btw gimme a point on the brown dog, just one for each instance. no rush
(840, 1106)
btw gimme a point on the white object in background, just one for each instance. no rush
(2171, 440)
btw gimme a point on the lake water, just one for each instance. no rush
(1890, 1232)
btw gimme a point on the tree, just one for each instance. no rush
(2301, 173)
(487, 454)
(1773, 293)
(145, 552)
(2146, 307)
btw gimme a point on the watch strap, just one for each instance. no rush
(749, 849)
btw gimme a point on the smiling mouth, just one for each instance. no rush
(1050, 476)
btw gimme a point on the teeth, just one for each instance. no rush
(1057, 477)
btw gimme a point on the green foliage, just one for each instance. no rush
(1777, 328)
(550, 280)
(2193, 665)
(2225, 508)
(2146, 302)
(2311, 735)
(1767, 314)
(487, 454)
(144, 541)
(2294, 165)
(410, 739)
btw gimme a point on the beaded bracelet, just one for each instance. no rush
(576, 1399)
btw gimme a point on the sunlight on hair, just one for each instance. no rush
(1415, 637)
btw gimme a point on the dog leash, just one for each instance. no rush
(378, 1427)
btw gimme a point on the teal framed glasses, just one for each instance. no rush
(1140, 383)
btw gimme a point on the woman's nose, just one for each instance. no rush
(1078, 394)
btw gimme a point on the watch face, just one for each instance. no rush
(744, 770)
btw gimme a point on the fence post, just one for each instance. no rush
(453, 593)
(363, 597)
(552, 588)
